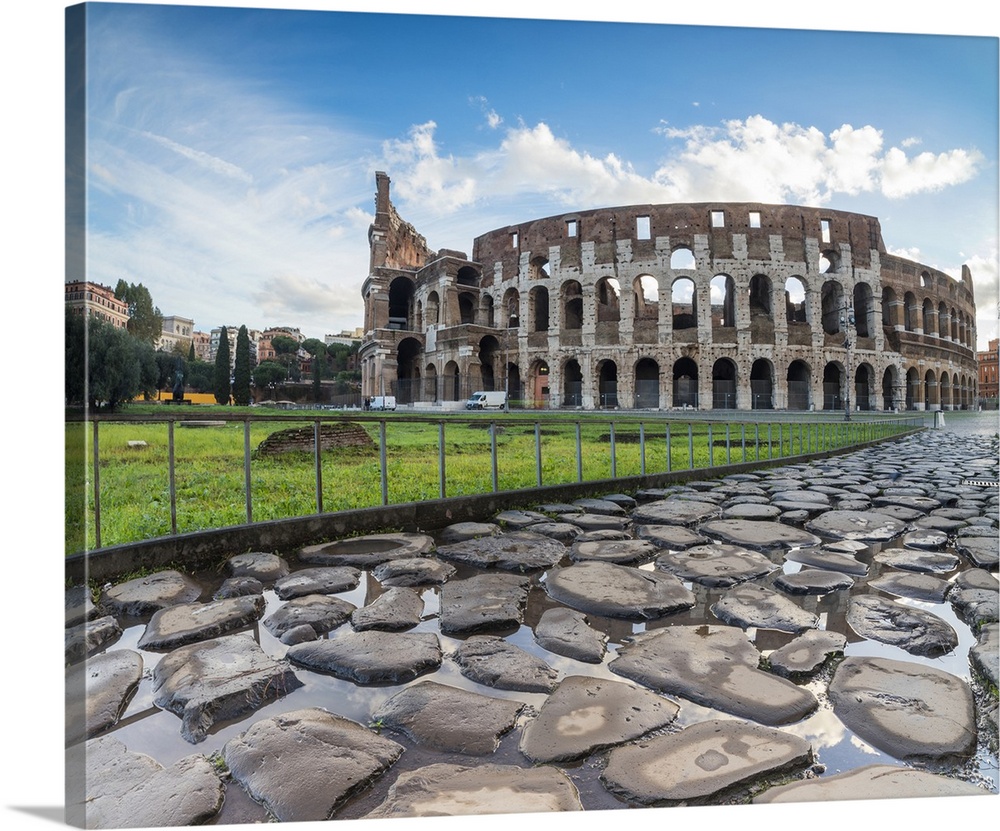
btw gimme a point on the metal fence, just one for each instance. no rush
(529, 452)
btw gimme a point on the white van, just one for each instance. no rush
(486, 400)
(383, 402)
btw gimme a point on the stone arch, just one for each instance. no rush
(682, 259)
(864, 311)
(723, 301)
(486, 311)
(829, 261)
(724, 385)
(401, 291)
(408, 356)
(796, 307)
(799, 381)
(864, 387)
(467, 276)
(646, 294)
(833, 386)
(685, 383)
(683, 301)
(452, 382)
(762, 385)
(467, 307)
(932, 400)
(608, 295)
(760, 296)
(944, 322)
(890, 391)
(433, 309)
(538, 309)
(945, 391)
(572, 305)
(607, 384)
(832, 302)
(538, 375)
(572, 377)
(430, 383)
(511, 309)
(647, 384)
(489, 355)
(538, 268)
(914, 389)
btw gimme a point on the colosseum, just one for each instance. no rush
(704, 306)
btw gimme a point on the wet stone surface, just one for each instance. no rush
(703, 654)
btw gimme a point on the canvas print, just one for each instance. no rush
(474, 416)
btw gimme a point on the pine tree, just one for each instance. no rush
(241, 372)
(222, 386)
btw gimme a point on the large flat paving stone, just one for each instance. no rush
(673, 511)
(715, 666)
(131, 790)
(446, 790)
(917, 631)
(494, 662)
(702, 762)
(924, 587)
(512, 551)
(191, 622)
(871, 782)
(318, 580)
(98, 690)
(145, 595)
(584, 715)
(759, 535)
(813, 581)
(982, 552)
(394, 611)
(218, 680)
(675, 537)
(842, 562)
(863, 526)
(89, 636)
(910, 711)
(806, 654)
(367, 551)
(320, 612)
(449, 719)
(413, 571)
(622, 552)
(985, 655)
(715, 566)
(922, 561)
(482, 603)
(618, 591)
(371, 657)
(975, 596)
(750, 605)
(261, 565)
(567, 632)
(460, 531)
(302, 765)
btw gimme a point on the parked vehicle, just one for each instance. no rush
(483, 400)
(382, 402)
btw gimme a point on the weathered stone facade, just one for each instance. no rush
(710, 305)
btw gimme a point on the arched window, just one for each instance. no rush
(647, 384)
(723, 299)
(796, 309)
(608, 294)
(682, 259)
(572, 303)
(683, 305)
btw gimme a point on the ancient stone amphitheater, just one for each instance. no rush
(705, 306)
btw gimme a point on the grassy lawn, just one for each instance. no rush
(209, 473)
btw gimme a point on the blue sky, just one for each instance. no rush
(231, 151)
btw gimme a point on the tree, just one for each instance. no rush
(222, 388)
(200, 376)
(191, 354)
(316, 348)
(145, 321)
(268, 374)
(286, 348)
(75, 364)
(167, 364)
(241, 372)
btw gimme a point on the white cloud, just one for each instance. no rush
(754, 159)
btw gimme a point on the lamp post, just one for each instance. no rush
(847, 319)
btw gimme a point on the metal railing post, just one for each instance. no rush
(614, 468)
(319, 467)
(383, 473)
(441, 488)
(690, 447)
(246, 469)
(711, 447)
(579, 455)
(170, 476)
(538, 454)
(642, 449)
(97, 489)
(728, 451)
(669, 451)
(493, 454)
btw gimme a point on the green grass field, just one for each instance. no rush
(210, 477)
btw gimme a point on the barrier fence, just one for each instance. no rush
(138, 477)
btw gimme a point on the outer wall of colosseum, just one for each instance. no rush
(707, 306)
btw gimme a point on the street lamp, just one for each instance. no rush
(847, 319)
